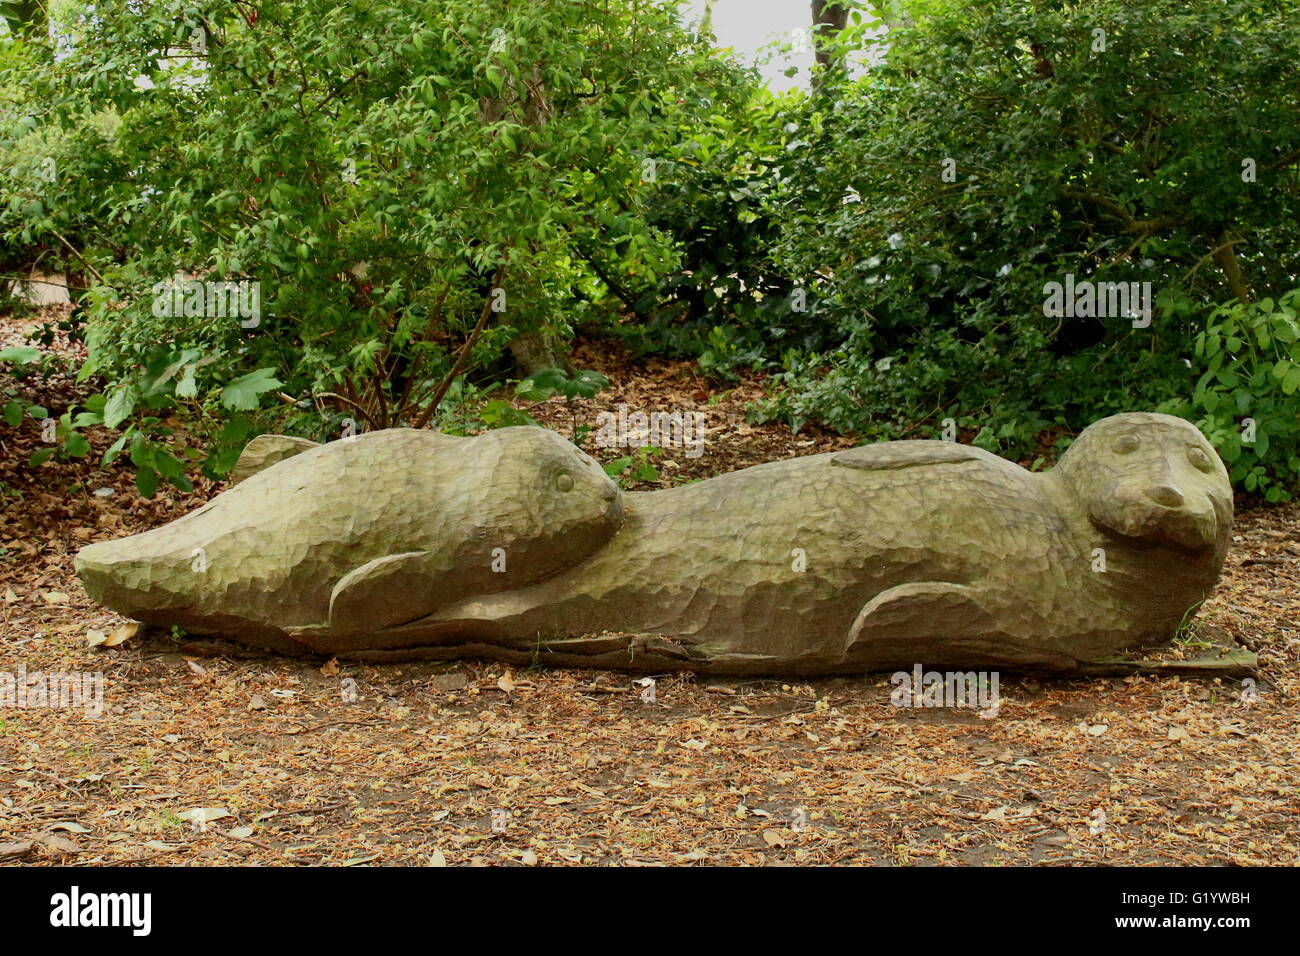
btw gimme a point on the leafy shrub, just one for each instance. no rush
(1248, 398)
(411, 186)
(728, 301)
(996, 148)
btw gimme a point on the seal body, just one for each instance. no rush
(363, 532)
(881, 557)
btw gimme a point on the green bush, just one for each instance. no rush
(999, 147)
(410, 185)
(728, 301)
(1248, 398)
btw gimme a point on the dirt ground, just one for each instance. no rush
(212, 760)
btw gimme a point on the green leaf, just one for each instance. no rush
(167, 465)
(242, 393)
(76, 445)
(146, 480)
(114, 450)
(141, 451)
(617, 466)
(187, 387)
(21, 355)
(120, 405)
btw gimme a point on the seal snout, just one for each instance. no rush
(1162, 511)
(614, 504)
(1166, 495)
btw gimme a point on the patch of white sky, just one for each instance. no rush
(774, 35)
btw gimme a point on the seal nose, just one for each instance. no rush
(1166, 495)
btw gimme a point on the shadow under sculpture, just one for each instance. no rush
(408, 544)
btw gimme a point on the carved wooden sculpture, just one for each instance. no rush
(514, 545)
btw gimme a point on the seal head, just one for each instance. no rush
(563, 487)
(1151, 477)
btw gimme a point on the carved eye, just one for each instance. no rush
(1199, 459)
(1125, 444)
(564, 481)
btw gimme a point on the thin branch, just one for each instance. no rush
(1141, 226)
(1209, 256)
(416, 363)
(462, 360)
(79, 256)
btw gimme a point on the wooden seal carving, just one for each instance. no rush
(870, 559)
(361, 533)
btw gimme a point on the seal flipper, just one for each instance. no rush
(907, 454)
(920, 611)
(939, 620)
(267, 450)
(387, 591)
